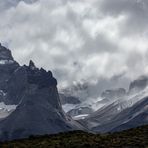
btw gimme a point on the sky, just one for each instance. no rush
(78, 40)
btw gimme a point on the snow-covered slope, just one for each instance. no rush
(104, 119)
(90, 99)
(131, 117)
(88, 106)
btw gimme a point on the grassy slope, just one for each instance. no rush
(133, 138)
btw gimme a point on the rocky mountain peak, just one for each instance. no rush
(139, 84)
(32, 65)
(111, 94)
(7, 66)
(5, 54)
(34, 92)
(40, 77)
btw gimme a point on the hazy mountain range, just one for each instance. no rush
(31, 104)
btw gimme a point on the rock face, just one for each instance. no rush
(138, 85)
(128, 111)
(5, 53)
(69, 99)
(113, 94)
(7, 66)
(132, 117)
(35, 93)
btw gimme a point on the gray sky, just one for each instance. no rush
(78, 39)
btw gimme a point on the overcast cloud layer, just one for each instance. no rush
(78, 39)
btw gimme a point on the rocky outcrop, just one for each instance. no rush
(69, 99)
(138, 85)
(126, 112)
(113, 94)
(7, 66)
(35, 93)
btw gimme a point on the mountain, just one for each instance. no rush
(34, 93)
(87, 107)
(132, 117)
(128, 118)
(113, 94)
(138, 85)
(133, 138)
(96, 113)
(126, 112)
(91, 99)
(74, 107)
(31, 105)
(7, 67)
(69, 99)
(80, 112)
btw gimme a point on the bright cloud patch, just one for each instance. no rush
(78, 40)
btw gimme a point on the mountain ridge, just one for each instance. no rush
(35, 93)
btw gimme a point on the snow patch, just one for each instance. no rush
(3, 62)
(7, 107)
(6, 110)
(2, 93)
(83, 116)
(68, 107)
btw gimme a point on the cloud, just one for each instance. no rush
(78, 40)
(136, 13)
(9, 3)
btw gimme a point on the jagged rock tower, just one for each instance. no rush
(35, 93)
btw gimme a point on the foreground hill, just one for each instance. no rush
(133, 138)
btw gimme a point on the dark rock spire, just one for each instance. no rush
(5, 54)
(32, 65)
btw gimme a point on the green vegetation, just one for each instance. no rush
(133, 138)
